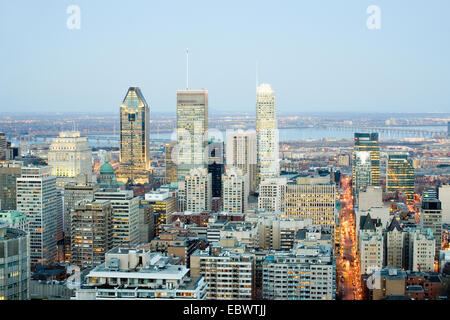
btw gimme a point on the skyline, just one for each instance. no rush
(340, 66)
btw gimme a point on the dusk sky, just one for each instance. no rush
(317, 55)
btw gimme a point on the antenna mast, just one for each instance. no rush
(187, 68)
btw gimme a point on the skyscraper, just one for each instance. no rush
(134, 138)
(266, 133)
(431, 217)
(400, 175)
(9, 172)
(368, 142)
(241, 153)
(90, 228)
(362, 171)
(37, 198)
(70, 156)
(192, 131)
(198, 191)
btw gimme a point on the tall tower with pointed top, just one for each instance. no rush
(134, 165)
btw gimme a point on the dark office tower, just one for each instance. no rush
(9, 172)
(368, 142)
(134, 138)
(216, 170)
(171, 167)
(400, 175)
(448, 129)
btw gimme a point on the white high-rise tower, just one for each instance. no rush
(266, 133)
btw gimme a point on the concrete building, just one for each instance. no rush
(192, 131)
(197, 190)
(305, 273)
(235, 191)
(138, 274)
(14, 264)
(125, 216)
(90, 233)
(228, 270)
(272, 194)
(245, 233)
(37, 198)
(241, 153)
(267, 147)
(69, 156)
(134, 138)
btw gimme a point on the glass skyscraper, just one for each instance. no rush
(368, 142)
(192, 131)
(134, 138)
(400, 175)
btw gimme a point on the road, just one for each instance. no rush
(347, 261)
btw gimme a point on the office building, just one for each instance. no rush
(124, 224)
(267, 154)
(235, 191)
(14, 264)
(163, 204)
(313, 199)
(396, 245)
(9, 172)
(37, 198)
(3, 147)
(138, 274)
(400, 175)
(69, 156)
(134, 138)
(362, 171)
(90, 233)
(305, 273)
(241, 153)
(192, 131)
(368, 142)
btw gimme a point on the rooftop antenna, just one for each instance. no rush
(257, 80)
(187, 68)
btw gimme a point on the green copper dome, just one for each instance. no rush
(106, 168)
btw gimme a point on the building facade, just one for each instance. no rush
(235, 191)
(192, 131)
(134, 138)
(267, 148)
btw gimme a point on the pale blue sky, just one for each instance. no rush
(318, 55)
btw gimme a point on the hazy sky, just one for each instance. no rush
(318, 55)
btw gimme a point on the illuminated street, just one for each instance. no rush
(348, 267)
